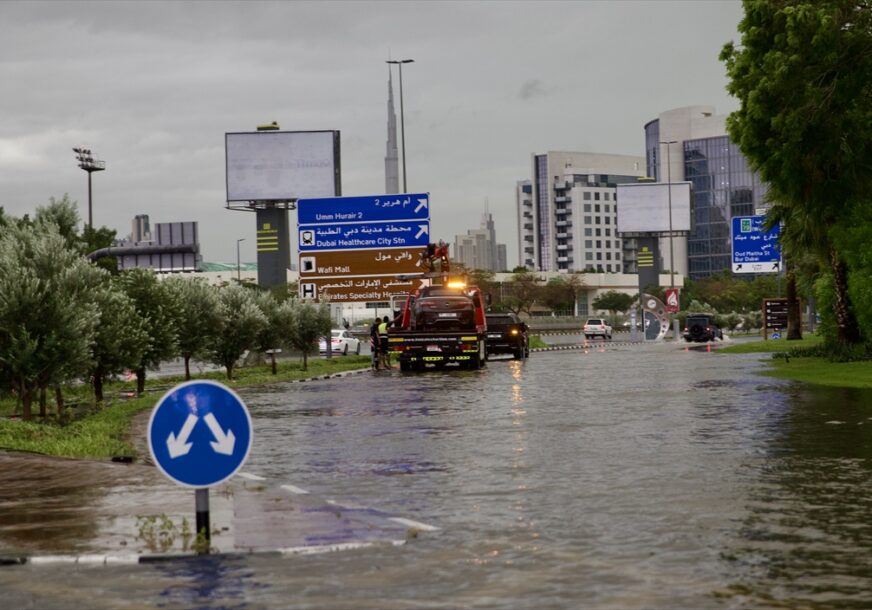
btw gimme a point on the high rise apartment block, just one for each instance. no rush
(567, 212)
(478, 249)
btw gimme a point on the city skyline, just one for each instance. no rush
(155, 102)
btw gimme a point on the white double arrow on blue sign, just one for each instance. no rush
(178, 446)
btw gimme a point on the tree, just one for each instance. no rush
(270, 337)
(241, 320)
(312, 322)
(523, 290)
(47, 316)
(803, 77)
(613, 302)
(560, 293)
(120, 337)
(159, 310)
(198, 316)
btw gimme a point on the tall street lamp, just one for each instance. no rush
(88, 163)
(238, 273)
(675, 328)
(400, 63)
(669, 196)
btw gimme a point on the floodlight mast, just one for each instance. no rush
(88, 163)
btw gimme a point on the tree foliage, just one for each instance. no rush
(613, 301)
(157, 306)
(803, 77)
(47, 315)
(198, 317)
(241, 320)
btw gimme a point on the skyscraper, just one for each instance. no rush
(392, 163)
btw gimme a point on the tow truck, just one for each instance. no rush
(440, 323)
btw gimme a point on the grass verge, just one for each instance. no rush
(101, 433)
(807, 369)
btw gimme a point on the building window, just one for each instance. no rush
(588, 243)
(607, 207)
(599, 257)
(608, 221)
(606, 195)
(588, 232)
(586, 196)
(596, 208)
(588, 256)
(608, 232)
(597, 220)
(596, 196)
(608, 256)
(617, 256)
(599, 243)
(608, 243)
(587, 207)
(587, 220)
(598, 232)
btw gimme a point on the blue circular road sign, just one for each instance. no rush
(199, 433)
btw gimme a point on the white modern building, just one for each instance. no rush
(567, 212)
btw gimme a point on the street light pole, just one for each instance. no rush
(238, 273)
(88, 163)
(400, 63)
(669, 196)
(671, 246)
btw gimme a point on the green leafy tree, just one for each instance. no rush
(272, 335)
(241, 320)
(613, 302)
(560, 293)
(159, 310)
(522, 291)
(803, 77)
(47, 316)
(64, 215)
(312, 322)
(198, 316)
(120, 337)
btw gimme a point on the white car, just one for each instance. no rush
(341, 342)
(597, 327)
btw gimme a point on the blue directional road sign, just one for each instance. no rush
(754, 250)
(199, 433)
(364, 235)
(374, 208)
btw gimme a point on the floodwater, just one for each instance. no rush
(618, 476)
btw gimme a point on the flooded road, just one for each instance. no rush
(619, 476)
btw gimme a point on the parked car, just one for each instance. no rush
(701, 327)
(341, 342)
(597, 327)
(507, 334)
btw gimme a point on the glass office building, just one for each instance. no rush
(723, 186)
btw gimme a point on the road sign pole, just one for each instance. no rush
(202, 508)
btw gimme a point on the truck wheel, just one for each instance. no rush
(345, 350)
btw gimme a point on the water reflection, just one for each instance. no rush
(807, 531)
(207, 583)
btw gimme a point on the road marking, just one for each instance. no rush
(416, 524)
(330, 548)
(294, 489)
(251, 477)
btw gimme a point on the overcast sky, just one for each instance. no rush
(152, 87)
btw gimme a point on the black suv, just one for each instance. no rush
(507, 334)
(701, 327)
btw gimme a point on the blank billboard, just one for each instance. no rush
(644, 207)
(281, 165)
